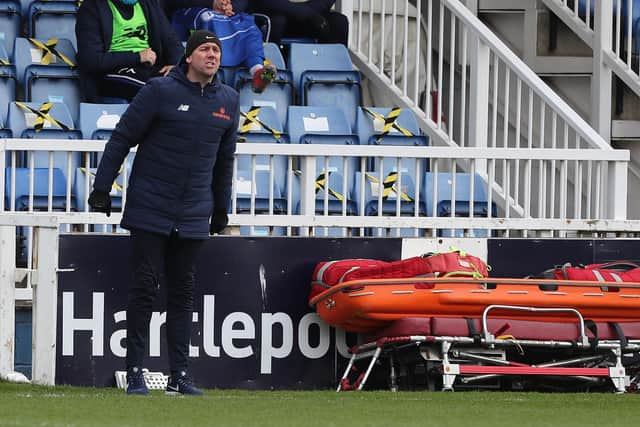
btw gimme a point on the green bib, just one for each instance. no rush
(129, 35)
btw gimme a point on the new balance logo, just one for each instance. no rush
(183, 107)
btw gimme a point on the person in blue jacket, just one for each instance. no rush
(121, 45)
(179, 191)
(241, 38)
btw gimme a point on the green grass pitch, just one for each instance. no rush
(28, 405)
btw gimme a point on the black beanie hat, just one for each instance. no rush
(199, 37)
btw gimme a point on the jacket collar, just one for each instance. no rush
(179, 73)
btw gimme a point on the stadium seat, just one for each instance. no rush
(323, 75)
(97, 121)
(7, 82)
(324, 125)
(393, 127)
(387, 194)
(10, 21)
(47, 71)
(261, 125)
(245, 184)
(329, 185)
(278, 95)
(4, 132)
(81, 184)
(439, 199)
(381, 192)
(49, 120)
(40, 190)
(273, 54)
(52, 18)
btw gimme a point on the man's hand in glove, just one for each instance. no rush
(100, 201)
(218, 222)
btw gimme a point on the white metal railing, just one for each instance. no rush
(617, 23)
(465, 85)
(527, 185)
(44, 274)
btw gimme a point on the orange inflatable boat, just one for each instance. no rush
(366, 305)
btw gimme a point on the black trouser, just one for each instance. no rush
(127, 81)
(283, 26)
(170, 261)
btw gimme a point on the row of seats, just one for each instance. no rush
(322, 74)
(305, 125)
(41, 19)
(313, 74)
(440, 185)
(387, 186)
(42, 70)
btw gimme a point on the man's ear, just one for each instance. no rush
(188, 59)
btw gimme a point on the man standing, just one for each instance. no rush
(185, 128)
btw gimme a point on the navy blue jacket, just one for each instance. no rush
(94, 29)
(186, 137)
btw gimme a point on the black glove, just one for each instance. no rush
(219, 221)
(100, 201)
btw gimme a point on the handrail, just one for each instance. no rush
(490, 338)
(618, 26)
(455, 40)
(596, 172)
(528, 75)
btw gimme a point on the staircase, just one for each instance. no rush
(467, 83)
(579, 49)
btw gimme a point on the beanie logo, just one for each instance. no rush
(221, 114)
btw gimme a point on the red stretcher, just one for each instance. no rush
(488, 352)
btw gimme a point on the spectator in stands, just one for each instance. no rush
(184, 125)
(170, 6)
(241, 38)
(311, 18)
(121, 45)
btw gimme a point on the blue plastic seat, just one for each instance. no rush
(46, 70)
(5, 133)
(49, 120)
(97, 121)
(278, 95)
(10, 21)
(273, 54)
(40, 190)
(261, 125)
(323, 75)
(7, 82)
(381, 194)
(393, 127)
(52, 18)
(245, 185)
(391, 194)
(444, 199)
(324, 125)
